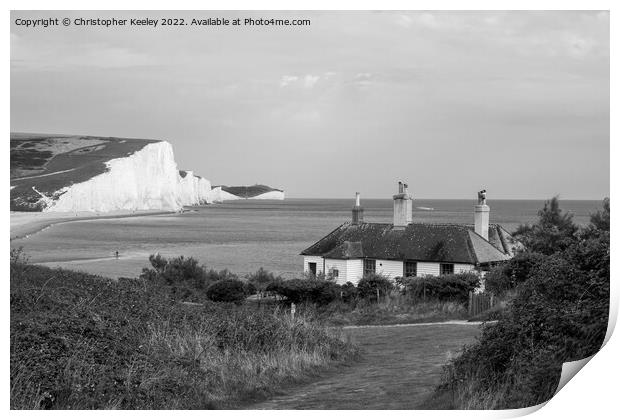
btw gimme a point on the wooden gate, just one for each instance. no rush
(479, 302)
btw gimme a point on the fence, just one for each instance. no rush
(480, 302)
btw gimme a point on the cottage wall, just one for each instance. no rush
(313, 259)
(355, 270)
(389, 268)
(463, 268)
(341, 266)
(428, 269)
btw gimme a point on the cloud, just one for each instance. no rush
(310, 80)
(287, 80)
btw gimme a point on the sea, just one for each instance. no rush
(244, 235)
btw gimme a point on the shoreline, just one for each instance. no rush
(26, 224)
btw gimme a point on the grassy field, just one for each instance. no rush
(51, 162)
(80, 341)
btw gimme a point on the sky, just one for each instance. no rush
(449, 102)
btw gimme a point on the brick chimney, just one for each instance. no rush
(403, 207)
(481, 215)
(357, 212)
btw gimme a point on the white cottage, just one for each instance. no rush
(405, 248)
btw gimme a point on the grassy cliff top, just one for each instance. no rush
(249, 192)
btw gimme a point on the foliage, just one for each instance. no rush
(372, 285)
(348, 292)
(320, 292)
(263, 278)
(506, 276)
(79, 341)
(230, 290)
(177, 271)
(554, 231)
(559, 314)
(449, 287)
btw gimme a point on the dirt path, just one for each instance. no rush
(400, 368)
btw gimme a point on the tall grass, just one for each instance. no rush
(80, 341)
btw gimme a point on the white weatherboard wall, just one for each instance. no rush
(355, 270)
(463, 268)
(146, 180)
(312, 259)
(340, 265)
(389, 268)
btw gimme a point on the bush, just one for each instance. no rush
(263, 278)
(177, 271)
(320, 292)
(451, 287)
(231, 290)
(510, 274)
(348, 292)
(372, 284)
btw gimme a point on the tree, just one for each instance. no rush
(554, 231)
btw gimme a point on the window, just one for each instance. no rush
(369, 266)
(445, 268)
(411, 269)
(312, 268)
(335, 273)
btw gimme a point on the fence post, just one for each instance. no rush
(471, 301)
(292, 311)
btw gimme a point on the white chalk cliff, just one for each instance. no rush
(146, 180)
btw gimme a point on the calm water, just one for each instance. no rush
(245, 235)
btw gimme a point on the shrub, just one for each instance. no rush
(213, 275)
(176, 271)
(510, 274)
(348, 292)
(230, 290)
(452, 287)
(320, 292)
(372, 284)
(262, 278)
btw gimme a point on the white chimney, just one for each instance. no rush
(403, 207)
(481, 215)
(357, 212)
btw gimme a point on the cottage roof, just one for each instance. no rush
(417, 241)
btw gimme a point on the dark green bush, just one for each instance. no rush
(371, 284)
(263, 278)
(179, 271)
(451, 287)
(510, 274)
(231, 290)
(348, 292)
(320, 292)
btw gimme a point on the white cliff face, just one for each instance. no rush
(194, 190)
(146, 180)
(271, 195)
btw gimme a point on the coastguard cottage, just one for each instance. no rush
(406, 248)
